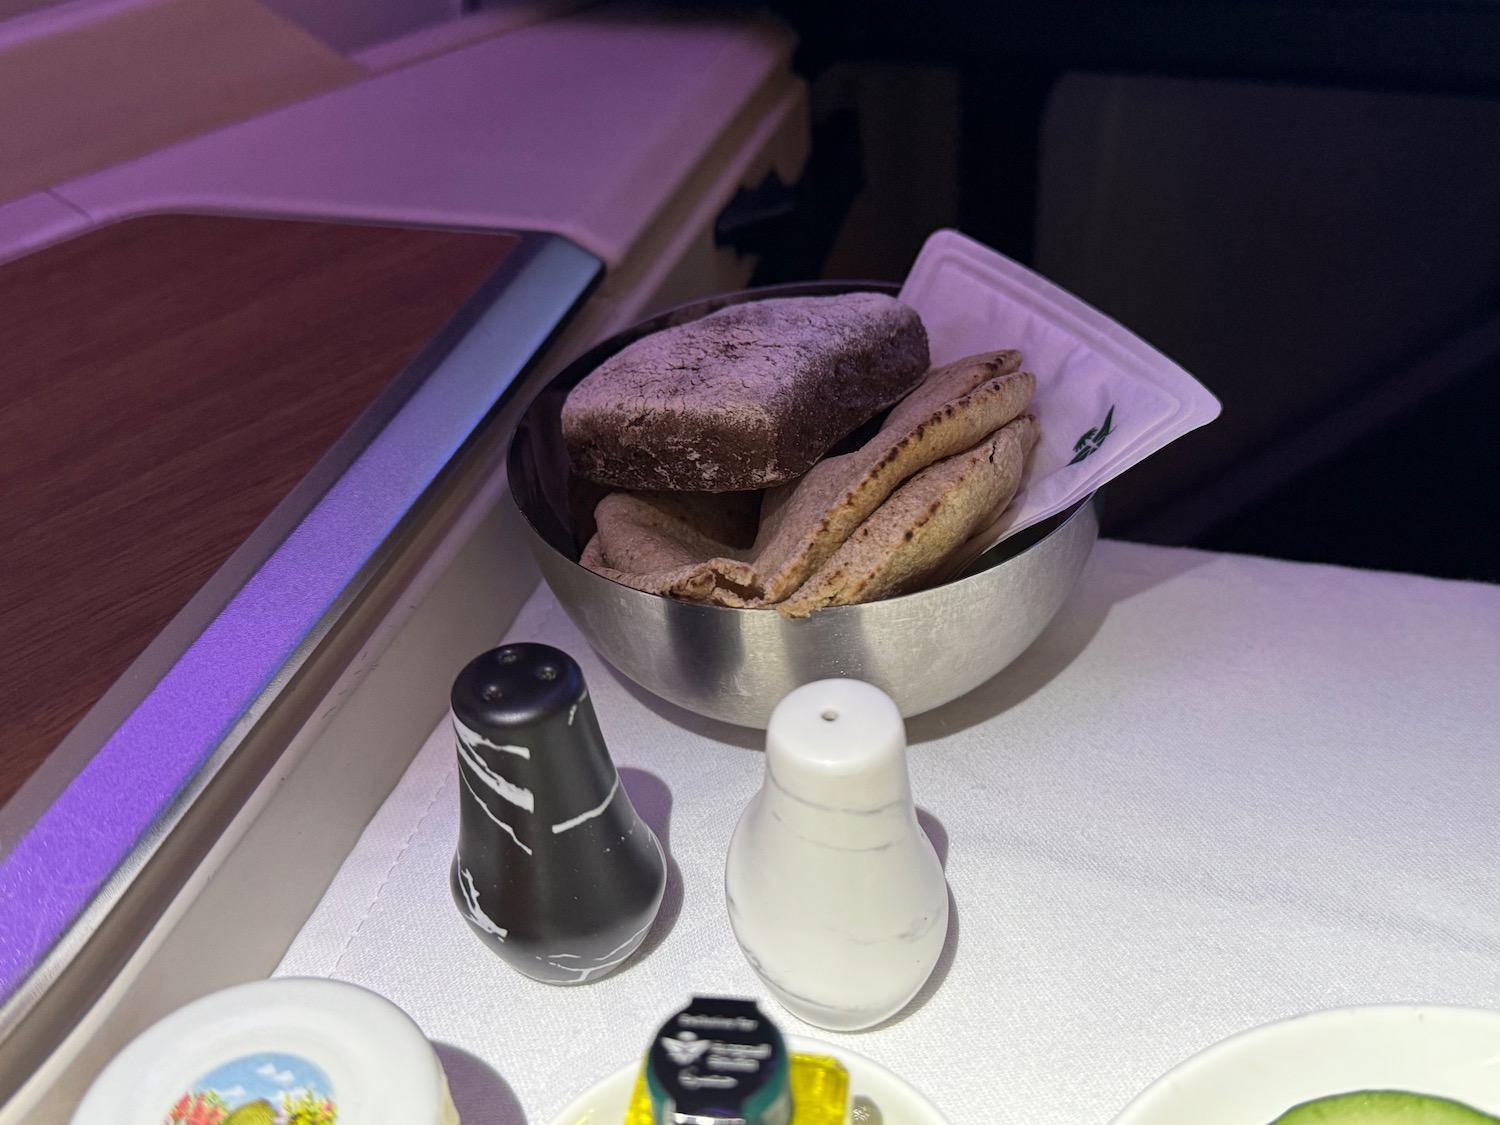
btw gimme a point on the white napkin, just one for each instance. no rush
(1105, 398)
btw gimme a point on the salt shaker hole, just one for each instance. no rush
(547, 672)
(830, 714)
(509, 656)
(491, 693)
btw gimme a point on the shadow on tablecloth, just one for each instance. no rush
(479, 1094)
(653, 801)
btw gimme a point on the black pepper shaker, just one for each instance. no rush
(555, 870)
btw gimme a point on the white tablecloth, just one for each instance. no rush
(1218, 791)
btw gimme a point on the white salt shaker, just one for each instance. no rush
(835, 893)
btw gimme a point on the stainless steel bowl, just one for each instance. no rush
(924, 649)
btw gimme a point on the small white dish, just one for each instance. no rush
(606, 1101)
(1256, 1076)
(289, 1049)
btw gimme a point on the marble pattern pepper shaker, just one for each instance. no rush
(554, 870)
(835, 894)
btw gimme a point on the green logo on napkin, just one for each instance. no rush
(1093, 439)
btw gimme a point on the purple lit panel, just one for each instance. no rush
(109, 807)
(98, 819)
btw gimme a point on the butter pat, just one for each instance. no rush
(721, 1062)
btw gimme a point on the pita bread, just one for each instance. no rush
(924, 521)
(803, 524)
(677, 544)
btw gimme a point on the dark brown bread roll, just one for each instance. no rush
(747, 397)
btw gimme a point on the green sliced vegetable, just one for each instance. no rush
(1384, 1107)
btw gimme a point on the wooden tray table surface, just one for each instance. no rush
(164, 383)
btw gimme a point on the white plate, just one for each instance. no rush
(605, 1102)
(277, 1041)
(1254, 1077)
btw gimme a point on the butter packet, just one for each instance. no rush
(721, 1060)
(819, 1086)
(1105, 398)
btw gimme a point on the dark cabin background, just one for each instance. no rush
(1296, 201)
